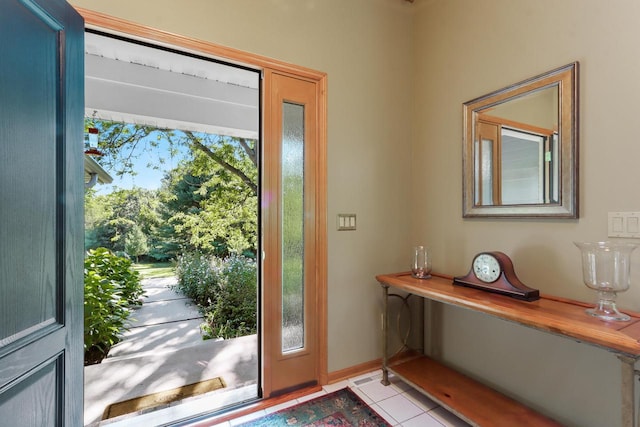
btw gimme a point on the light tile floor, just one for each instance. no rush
(398, 403)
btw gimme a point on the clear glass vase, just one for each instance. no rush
(606, 269)
(421, 265)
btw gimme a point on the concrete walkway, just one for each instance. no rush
(164, 350)
(166, 321)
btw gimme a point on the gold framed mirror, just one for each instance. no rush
(520, 155)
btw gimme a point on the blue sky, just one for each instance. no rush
(146, 176)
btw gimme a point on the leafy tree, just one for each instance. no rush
(135, 244)
(110, 218)
(211, 210)
(97, 211)
(207, 203)
(114, 232)
(123, 142)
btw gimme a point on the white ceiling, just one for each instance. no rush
(137, 84)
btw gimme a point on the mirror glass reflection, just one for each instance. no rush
(520, 145)
(522, 135)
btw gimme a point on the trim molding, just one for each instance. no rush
(115, 25)
(354, 371)
(366, 367)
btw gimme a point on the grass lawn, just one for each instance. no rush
(155, 269)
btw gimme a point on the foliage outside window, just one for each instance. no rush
(203, 214)
(111, 288)
(206, 203)
(224, 289)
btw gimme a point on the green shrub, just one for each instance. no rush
(198, 277)
(225, 290)
(119, 270)
(233, 313)
(111, 286)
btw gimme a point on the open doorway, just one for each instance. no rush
(179, 135)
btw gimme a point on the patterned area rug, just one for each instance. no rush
(340, 408)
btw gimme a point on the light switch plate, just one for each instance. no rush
(624, 224)
(346, 222)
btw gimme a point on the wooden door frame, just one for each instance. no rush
(300, 364)
(118, 26)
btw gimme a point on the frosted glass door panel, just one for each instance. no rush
(292, 227)
(484, 172)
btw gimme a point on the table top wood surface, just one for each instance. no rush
(552, 314)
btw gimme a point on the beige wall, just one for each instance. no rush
(464, 49)
(398, 75)
(365, 47)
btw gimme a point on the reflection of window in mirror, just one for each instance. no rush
(486, 156)
(554, 169)
(513, 171)
(523, 164)
(515, 163)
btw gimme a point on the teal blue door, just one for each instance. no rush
(41, 224)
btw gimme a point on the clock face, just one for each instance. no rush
(486, 268)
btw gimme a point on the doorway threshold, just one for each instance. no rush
(187, 408)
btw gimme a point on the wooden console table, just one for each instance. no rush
(479, 404)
